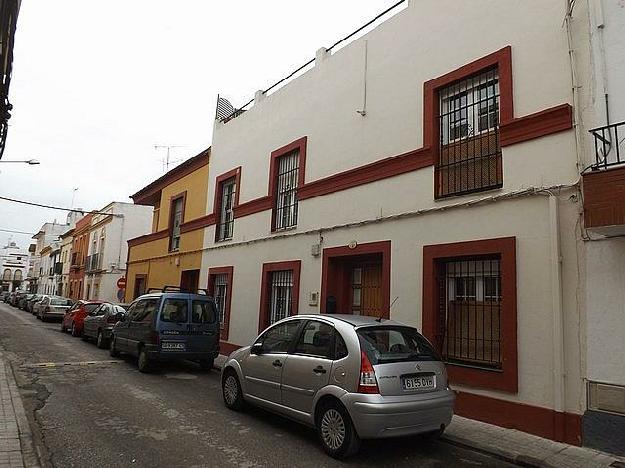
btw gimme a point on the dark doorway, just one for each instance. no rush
(139, 286)
(189, 280)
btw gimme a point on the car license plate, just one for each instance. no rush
(173, 346)
(422, 382)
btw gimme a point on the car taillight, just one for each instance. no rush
(368, 382)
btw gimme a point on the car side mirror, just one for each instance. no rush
(120, 316)
(257, 348)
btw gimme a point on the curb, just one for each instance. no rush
(503, 455)
(30, 455)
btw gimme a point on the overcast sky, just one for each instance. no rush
(97, 83)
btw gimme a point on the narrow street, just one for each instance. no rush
(109, 414)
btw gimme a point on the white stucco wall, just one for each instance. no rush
(605, 298)
(135, 221)
(403, 53)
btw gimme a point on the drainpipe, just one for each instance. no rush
(559, 389)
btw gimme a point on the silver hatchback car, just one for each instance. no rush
(351, 377)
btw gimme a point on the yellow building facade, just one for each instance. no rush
(171, 255)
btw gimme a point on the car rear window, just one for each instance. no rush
(61, 301)
(395, 344)
(174, 310)
(203, 312)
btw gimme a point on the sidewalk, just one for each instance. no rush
(525, 449)
(17, 449)
(518, 447)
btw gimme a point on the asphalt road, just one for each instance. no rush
(109, 414)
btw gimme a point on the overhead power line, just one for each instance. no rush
(17, 232)
(329, 49)
(51, 207)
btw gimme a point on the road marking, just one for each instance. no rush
(46, 365)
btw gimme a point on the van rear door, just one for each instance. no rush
(204, 325)
(173, 325)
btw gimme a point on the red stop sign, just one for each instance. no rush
(121, 283)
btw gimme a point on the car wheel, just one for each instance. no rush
(101, 341)
(207, 364)
(143, 363)
(336, 431)
(74, 330)
(113, 349)
(231, 391)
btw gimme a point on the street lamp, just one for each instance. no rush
(32, 162)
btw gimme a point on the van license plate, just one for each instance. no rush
(173, 346)
(419, 383)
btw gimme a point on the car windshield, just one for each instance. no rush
(91, 307)
(395, 344)
(61, 301)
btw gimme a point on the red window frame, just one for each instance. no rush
(300, 146)
(506, 379)
(295, 266)
(219, 181)
(170, 227)
(502, 59)
(229, 272)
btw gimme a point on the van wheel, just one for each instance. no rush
(336, 431)
(231, 391)
(207, 364)
(101, 341)
(113, 349)
(143, 363)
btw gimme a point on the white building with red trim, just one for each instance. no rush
(428, 171)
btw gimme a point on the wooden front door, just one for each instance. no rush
(366, 289)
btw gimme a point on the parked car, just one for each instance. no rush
(13, 297)
(23, 300)
(74, 318)
(169, 326)
(351, 377)
(37, 304)
(99, 323)
(30, 302)
(53, 307)
(4, 295)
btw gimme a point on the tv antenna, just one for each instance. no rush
(166, 161)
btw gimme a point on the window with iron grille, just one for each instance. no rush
(177, 207)
(470, 304)
(286, 190)
(220, 291)
(225, 228)
(281, 295)
(469, 150)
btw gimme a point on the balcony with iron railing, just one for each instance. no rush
(76, 260)
(604, 182)
(93, 263)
